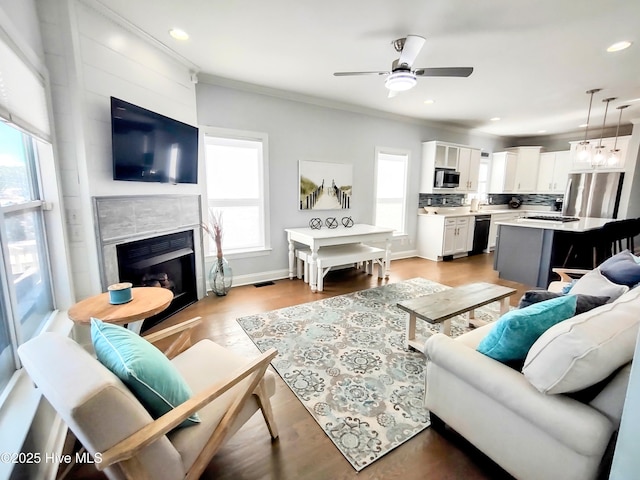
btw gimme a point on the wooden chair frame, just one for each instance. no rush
(569, 274)
(123, 454)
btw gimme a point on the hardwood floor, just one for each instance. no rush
(303, 451)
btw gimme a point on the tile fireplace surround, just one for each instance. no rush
(124, 219)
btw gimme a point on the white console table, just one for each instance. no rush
(316, 238)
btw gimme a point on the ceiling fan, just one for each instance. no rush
(402, 75)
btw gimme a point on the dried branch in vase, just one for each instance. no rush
(214, 229)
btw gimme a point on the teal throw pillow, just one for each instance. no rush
(144, 369)
(516, 331)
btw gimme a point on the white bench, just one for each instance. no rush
(337, 255)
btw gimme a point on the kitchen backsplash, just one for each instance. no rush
(451, 199)
(457, 199)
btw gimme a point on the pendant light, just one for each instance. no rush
(614, 159)
(584, 148)
(599, 157)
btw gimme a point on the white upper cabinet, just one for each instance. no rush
(591, 164)
(515, 171)
(503, 172)
(527, 169)
(553, 172)
(446, 156)
(469, 168)
(461, 158)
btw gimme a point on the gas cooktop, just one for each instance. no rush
(553, 218)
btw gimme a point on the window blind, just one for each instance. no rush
(23, 98)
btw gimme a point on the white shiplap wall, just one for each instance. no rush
(91, 56)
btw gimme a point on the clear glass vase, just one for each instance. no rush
(220, 276)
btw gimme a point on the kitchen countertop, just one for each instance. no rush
(492, 211)
(583, 225)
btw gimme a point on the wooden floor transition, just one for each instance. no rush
(303, 451)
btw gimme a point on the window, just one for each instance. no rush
(391, 189)
(25, 279)
(483, 182)
(237, 187)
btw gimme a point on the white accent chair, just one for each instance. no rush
(113, 425)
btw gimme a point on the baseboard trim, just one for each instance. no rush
(251, 278)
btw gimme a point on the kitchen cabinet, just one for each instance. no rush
(493, 228)
(446, 156)
(553, 172)
(441, 236)
(469, 168)
(503, 172)
(578, 165)
(515, 170)
(462, 158)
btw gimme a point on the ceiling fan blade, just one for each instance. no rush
(346, 74)
(444, 72)
(412, 46)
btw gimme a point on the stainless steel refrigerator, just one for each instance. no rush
(593, 194)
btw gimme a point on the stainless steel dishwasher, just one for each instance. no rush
(480, 234)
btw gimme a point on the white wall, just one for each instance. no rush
(301, 130)
(90, 58)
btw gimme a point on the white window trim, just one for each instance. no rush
(393, 151)
(20, 398)
(207, 131)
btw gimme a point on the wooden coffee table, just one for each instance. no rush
(439, 307)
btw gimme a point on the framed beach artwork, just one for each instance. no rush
(325, 186)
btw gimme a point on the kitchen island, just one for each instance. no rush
(527, 249)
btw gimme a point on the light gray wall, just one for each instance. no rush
(301, 130)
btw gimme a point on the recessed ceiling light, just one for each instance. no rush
(179, 34)
(429, 102)
(616, 47)
(582, 125)
(494, 119)
(542, 131)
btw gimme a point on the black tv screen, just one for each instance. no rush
(149, 147)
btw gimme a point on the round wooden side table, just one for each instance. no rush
(146, 301)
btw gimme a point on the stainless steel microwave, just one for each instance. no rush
(446, 178)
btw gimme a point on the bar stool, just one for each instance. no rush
(619, 235)
(587, 245)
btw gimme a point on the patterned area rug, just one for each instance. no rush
(344, 358)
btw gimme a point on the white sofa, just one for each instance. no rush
(531, 434)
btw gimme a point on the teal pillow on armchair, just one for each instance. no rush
(143, 368)
(516, 331)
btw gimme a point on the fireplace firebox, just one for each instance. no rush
(166, 261)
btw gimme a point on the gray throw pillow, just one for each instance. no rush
(622, 269)
(584, 302)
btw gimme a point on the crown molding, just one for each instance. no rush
(209, 79)
(99, 7)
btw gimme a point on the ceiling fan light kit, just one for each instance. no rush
(400, 81)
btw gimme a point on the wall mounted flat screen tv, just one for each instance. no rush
(149, 147)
